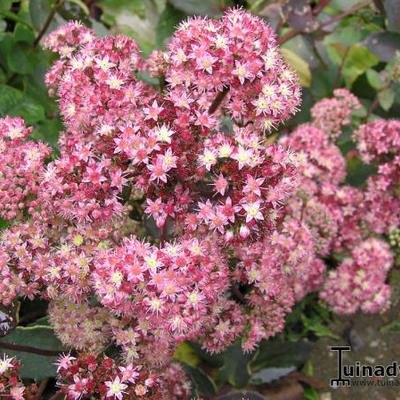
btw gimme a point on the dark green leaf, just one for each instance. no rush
(358, 172)
(3, 224)
(393, 326)
(202, 382)
(23, 33)
(48, 131)
(22, 58)
(14, 102)
(393, 14)
(5, 5)
(204, 7)
(383, 44)
(235, 369)
(39, 11)
(215, 360)
(169, 19)
(34, 366)
(277, 353)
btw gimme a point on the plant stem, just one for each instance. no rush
(218, 100)
(295, 32)
(41, 389)
(47, 23)
(56, 395)
(164, 233)
(237, 293)
(256, 5)
(29, 349)
(345, 14)
(320, 6)
(339, 73)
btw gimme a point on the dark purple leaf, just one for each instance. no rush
(393, 14)
(383, 44)
(298, 14)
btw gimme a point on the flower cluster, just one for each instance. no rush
(11, 386)
(359, 281)
(87, 376)
(21, 166)
(331, 115)
(168, 216)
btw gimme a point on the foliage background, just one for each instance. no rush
(336, 43)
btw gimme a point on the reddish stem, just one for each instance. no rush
(320, 6)
(29, 349)
(47, 23)
(295, 32)
(345, 14)
(218, 100)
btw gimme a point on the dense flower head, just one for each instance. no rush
(81, 326)
(331, 115)
(236, 55)
(171, 287)
(21, 165)
(88, 376)
(319, 159)
(11, 386)
(359, 281)
(378, 141)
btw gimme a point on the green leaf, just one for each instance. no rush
(184, 352)
(386, 98)
(276, 353)
(358, 60)
(22, 58)
(374, 79)
(34, 366)
(358, 172)
(39, 11)
(350, 35)
(136, 18)
(236, 367)
(211, 8)
(344, 5)
(299, 65)
(82, 5)
(48, 131)
(169, 19)
(393, 326)
(23, 33)
(5, 5)
(14, 103)
(383, 44)
(201, 381)
(311, 394)
(3, 224)
(215, 360)
(393, 15)
(317, 327)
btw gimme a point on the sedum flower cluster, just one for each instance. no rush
(168, 216)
